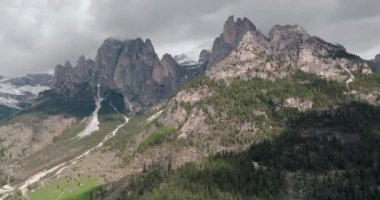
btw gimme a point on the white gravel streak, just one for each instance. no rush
(93, 125)
(153, 117)
(352, 77)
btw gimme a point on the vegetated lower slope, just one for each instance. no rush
(320, 155)
(44, 135)
(255, 138)
(300, 137)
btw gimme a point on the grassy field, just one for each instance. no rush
(78, 188)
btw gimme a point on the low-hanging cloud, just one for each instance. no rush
(35, 35)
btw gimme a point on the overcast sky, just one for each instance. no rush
(35, 35)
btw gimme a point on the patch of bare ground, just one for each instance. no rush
(23, 138)
(103, 164)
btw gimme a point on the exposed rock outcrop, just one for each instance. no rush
(298, 103)
(130, 67)
(68, 78)
(288, 48)
(233, 32)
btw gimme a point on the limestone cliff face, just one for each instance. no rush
(130, 67)
(233, 32)
(69, 80)
(286, 49)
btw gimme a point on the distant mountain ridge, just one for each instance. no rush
(131, 68)
(17, 93)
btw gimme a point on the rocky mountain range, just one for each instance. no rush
(129, 67)
(280, 116)
(133, 69)
(120, 66)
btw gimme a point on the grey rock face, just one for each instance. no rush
(233, 32)
(106, 60)
(287, 48)
(285, 38)
(131, 68)
(68, 78)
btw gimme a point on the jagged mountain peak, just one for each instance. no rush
(168, 58)
(149, 45)
(287, 48)
(130, 67)
(68, 64)
(233, 32)
(240, 26)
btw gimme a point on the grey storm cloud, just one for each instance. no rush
(35, 35)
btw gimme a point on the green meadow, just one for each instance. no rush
(77, 188)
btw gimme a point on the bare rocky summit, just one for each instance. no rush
(233, 33)
(286, 49)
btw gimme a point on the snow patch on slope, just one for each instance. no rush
(184, 60)
(13, 93)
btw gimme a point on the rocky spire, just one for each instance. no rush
(233, 32)
(166, 69)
